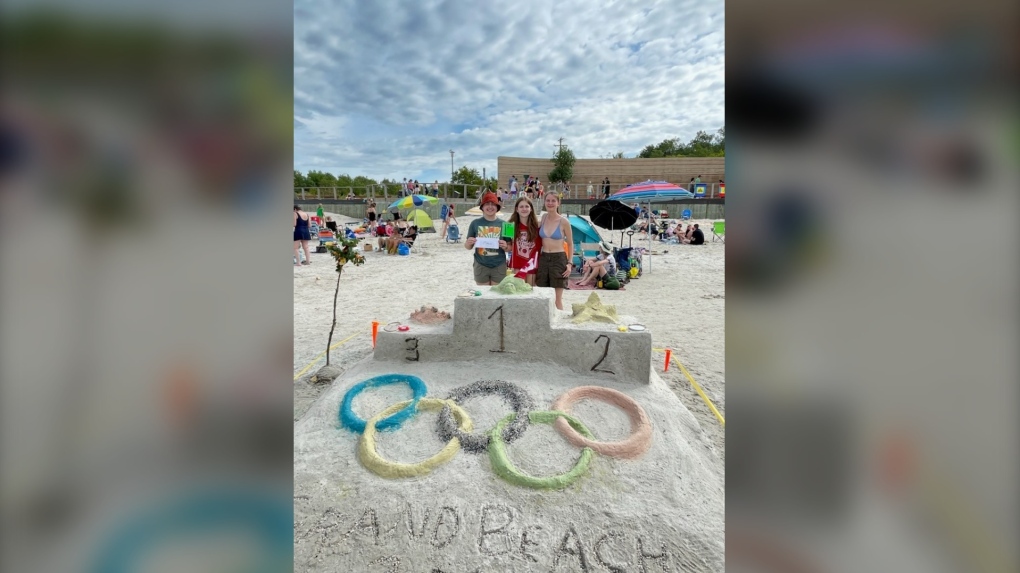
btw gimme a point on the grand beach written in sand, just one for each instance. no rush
(508, 437)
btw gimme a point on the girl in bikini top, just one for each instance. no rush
(557, 234)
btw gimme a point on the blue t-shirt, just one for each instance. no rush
(482, 228)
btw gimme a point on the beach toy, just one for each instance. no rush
(478, 293)
(622, 328)
(669, 354)
(403, 328)
(375, 331)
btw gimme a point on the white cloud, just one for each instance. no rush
(386, 88)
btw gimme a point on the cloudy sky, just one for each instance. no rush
(386, 88)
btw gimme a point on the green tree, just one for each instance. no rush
(701, 145)
(468, 176)
(299, 180)
(563, 165)
(321, 179)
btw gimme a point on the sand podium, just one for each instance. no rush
(522, 328)
(506, 438)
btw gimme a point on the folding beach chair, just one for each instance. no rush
(686, 214)
(583, 253)
(719, 230)
(453, 234)
(326, 237)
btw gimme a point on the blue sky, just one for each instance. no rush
(386, 89)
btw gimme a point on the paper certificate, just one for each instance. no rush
(487, 243)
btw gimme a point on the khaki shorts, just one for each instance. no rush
(551, 267)
(484, 275)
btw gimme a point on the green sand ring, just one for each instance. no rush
(370, 458)
(505, 469)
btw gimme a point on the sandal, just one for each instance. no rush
(305, 263)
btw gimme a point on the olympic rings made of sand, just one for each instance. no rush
(505, 469)
(519, 400)
(640, 426)
(395, 419)
(387, 469)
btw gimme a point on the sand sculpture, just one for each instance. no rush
(429, 315)
(509, 459)
(594, 310)
(512, 285)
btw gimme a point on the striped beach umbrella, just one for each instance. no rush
(412, 201)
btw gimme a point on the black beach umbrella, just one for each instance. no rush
(612, 215)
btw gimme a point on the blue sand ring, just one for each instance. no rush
(352, 422)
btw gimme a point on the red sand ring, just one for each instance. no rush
(640, 426)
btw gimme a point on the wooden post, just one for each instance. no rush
(302, 193)
(334, 192)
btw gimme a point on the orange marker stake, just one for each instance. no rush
(669, 354)
(375, 331)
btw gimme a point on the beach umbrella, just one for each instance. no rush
(412, 201)
(645, 192)
(612, 215)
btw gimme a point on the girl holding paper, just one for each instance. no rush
(526, 242)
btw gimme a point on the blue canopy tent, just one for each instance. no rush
(647, 191)
(583, 232)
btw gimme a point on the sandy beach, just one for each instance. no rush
(681, 300)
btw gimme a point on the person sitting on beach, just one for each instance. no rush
(410, 235)
(697, 236)
(595, 269)
(393, 240)
(489, 263)
(383, 231)
(331, 224)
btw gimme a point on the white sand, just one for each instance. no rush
(681, 300)
(671, 498)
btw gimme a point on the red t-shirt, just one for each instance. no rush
(524, 253)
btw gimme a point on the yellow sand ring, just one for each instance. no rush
(640, 426)
(387, 469)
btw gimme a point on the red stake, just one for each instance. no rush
(375, 331)
(669, 354)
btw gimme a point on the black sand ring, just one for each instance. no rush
(478, 442)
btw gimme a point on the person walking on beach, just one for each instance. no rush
(526, 242)
(605, 188)
(320, 214)
(302, 234)
(490, 262)
(449, 220)
(591, 191)
(554, 258)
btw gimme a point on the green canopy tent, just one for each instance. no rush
(421, 219)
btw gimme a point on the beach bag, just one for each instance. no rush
(610, 283)
(403, 250)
